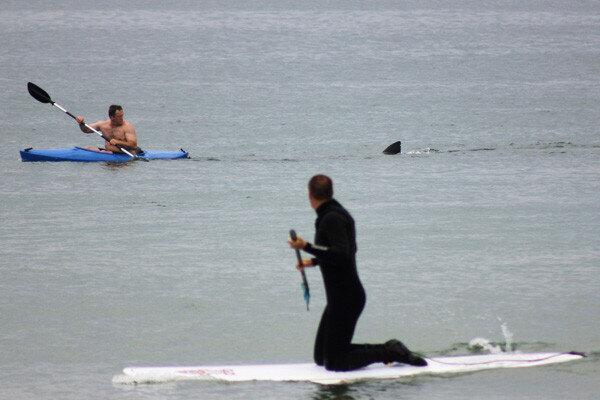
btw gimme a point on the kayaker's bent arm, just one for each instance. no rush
(130, 139)
(81, 122)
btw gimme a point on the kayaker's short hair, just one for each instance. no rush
(112, 110)
(320, 187)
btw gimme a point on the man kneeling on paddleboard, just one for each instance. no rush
(120, 133)
(335, 253)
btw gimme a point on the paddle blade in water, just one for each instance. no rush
(38, 93)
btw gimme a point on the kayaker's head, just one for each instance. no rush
(320, 190)
(116, 114)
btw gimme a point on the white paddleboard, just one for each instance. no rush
(313, 373)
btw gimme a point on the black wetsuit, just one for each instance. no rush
(335, 252)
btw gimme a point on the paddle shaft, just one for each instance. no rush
(299, 258)
(301, 270)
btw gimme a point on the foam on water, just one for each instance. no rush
(478, 344)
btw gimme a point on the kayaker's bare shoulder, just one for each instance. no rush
(128, 129)
(102, 126)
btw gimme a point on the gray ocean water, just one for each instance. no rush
(487, 226)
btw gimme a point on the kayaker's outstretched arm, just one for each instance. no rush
(81, 122)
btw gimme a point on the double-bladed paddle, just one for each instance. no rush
(43, 97)
(305, 288)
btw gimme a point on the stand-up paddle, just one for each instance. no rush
(43, 97)
(305, 288)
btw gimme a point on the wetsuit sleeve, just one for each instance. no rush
(334, 230)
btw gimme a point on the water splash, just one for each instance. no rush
(479, 344)
(508, 337)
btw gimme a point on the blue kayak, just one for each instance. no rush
(79, 154)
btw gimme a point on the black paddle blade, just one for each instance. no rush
(38, 93)
(393, 148)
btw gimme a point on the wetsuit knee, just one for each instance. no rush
(331, 367)
(336, 366)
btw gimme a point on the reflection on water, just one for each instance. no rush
(116, 166)
(334, 392)
(397, 388)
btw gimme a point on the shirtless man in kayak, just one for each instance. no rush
(120, 133)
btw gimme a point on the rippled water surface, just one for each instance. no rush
(486, 226)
